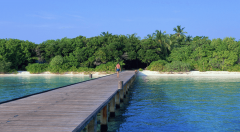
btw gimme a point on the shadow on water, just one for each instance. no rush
(179, 104)
(120, 117)
(145, 108)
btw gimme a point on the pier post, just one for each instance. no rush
(92, 125)
(120, 87)
(127, 88)
(112, 107)
(117, 99)
(104, 119)
(124, 90)
(90, 75)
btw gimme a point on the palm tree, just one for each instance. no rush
(179, 31)
(188, 40)
(180, 35)
(166, 41)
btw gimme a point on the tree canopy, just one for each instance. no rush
(197, 53)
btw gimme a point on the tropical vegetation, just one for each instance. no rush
(158, 51)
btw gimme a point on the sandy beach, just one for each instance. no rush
(26, 73)
(191, 73)
(141, 73)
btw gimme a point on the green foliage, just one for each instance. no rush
(56, 69)
(140, 69)
(177, 66)
(235, 68)
(110, 66)
(71, 60)
(180, 54)
(5, 66)
(157, 65)
(37, 68)
(101, 51)
(56, 61)
(82, 69)
(19, 52)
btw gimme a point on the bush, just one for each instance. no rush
(56, 69)
(140, 69)
(5, 66)
(82, 69)
(57, 60)
(37, 68)
(235, 68)
(157, 65)
(73, 69)
(109, 66)
(177, 66)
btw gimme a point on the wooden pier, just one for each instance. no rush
(67, 109)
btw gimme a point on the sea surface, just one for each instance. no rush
(155, 103)
(12, 87)
(194, 104)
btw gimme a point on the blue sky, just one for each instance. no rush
(41, 20)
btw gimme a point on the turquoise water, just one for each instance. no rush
(180, 104)
(155, 103)
(12, 87)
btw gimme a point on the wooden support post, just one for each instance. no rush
(92, 125)
(90, 75)
(124, 91)
(117, 99)
(120, 87)
(104, 119)
(120, 84)
(121, 95)
(112, 107)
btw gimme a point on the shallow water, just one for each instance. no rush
(12, 87)
(180, 104)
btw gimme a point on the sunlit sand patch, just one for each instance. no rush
(191, 73)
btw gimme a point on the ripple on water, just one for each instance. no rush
(12, 87)
(180, 104)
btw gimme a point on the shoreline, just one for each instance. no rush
(141, 73)
(26, 73)
(191, 73)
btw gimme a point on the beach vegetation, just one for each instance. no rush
(158, 51)
(157, 65)
(5, 66)
(177, 66)
(37, 68)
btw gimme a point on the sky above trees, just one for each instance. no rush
(38, 21)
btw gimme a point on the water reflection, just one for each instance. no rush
(181, 104)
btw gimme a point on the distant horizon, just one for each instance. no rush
(38, 21)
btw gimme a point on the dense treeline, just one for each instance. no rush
(159, 51)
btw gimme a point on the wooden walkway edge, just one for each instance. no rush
(67, 109)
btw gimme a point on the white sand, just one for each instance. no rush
(191, 73)
(141, 73)
(26, 73)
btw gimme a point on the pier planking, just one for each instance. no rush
(66, 109)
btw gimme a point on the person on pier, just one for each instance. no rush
(118, 67)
